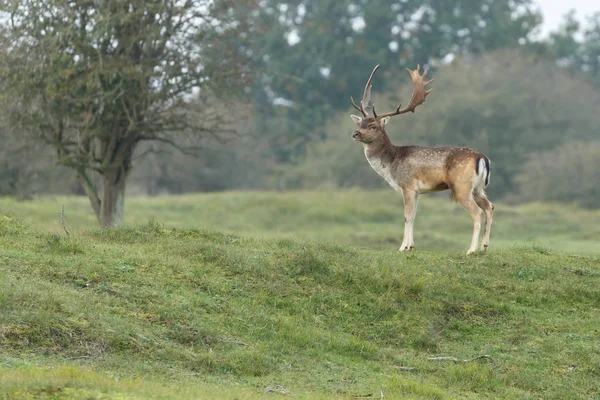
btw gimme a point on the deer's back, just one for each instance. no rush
(431, 168)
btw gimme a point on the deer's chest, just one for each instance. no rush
(384, 171)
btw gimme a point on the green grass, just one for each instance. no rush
(299, 304)
(354, 217)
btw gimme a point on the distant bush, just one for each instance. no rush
(567, 174)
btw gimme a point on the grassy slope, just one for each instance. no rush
(357, 218)
(184, 313)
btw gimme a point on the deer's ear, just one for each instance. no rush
(356, 119)
(384, 121)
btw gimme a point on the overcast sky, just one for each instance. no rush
(553, 10)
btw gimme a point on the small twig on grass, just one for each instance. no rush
(79, 358)
(234, 341)
(370, 396)
(456, 360)
(62, 220)
(404, 368)
(279, 389)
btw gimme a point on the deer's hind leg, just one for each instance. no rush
(488, 209)
(464, 195)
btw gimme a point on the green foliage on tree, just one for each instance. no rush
(576, 46)
(590, 51)
(95, 79)
(562, 43)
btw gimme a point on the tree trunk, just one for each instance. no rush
(109, 204)
(113, 199)
(90, 190)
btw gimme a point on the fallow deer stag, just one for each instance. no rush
(414, 170)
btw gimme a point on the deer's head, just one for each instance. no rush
(372, 128)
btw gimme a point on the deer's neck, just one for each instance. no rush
(380, 155)
(381, 150)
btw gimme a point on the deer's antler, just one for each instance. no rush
(364, 103)
(418, 95)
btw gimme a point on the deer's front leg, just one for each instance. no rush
(410, 212)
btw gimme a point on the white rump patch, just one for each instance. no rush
(479, 178)
(482, 168)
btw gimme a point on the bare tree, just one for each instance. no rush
(93, 79)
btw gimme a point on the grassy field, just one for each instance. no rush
(356, 218)
(262, 295)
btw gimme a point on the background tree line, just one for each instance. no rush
(173, 97)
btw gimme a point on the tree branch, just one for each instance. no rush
(187, 150)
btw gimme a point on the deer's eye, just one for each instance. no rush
(372, 128)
